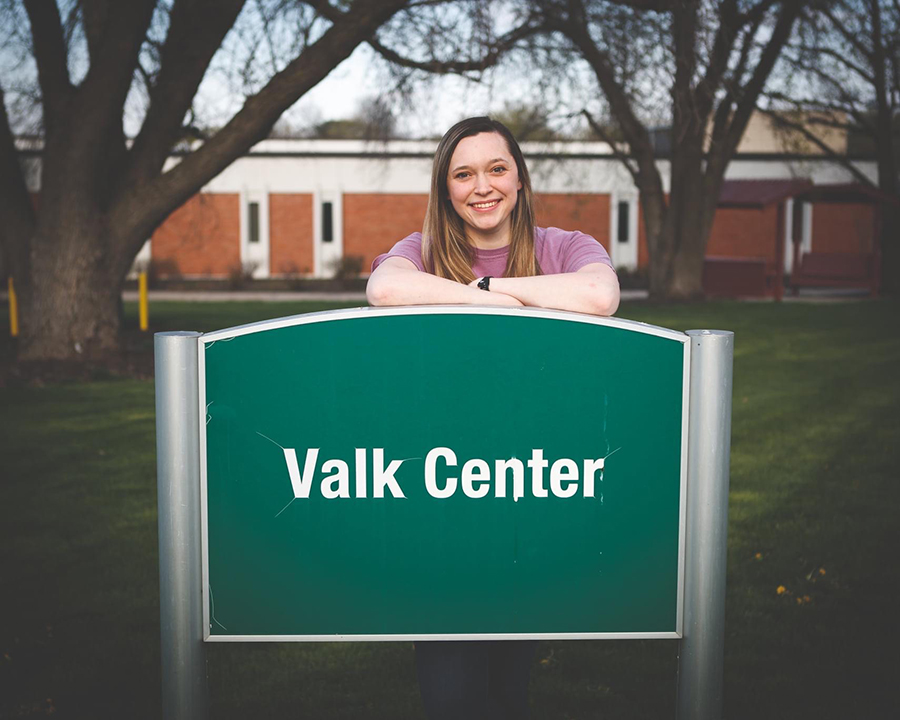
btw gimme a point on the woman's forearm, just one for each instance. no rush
(401, 286)
(592, 290)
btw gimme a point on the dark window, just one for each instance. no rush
(797, 222)
(624, 217)
(327, 224)
(253, 219)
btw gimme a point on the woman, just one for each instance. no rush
(479, 236)
(480, 246)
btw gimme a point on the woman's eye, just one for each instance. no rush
(461, 176)
(499, 169)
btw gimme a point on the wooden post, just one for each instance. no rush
(13, 310)
(779, 253)
(796, 241)
(142, 300)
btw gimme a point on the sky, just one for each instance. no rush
(439, 102)
(436, 102)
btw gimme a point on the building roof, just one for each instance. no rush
(759, 193)
(845, 193)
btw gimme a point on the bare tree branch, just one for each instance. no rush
(51, 57)
(600, 131)
(94, 13)
(746, 100)
(73, 17)
(575, 27)
(838, 57)
(686, 114)
(726, 34)
(750, 32)
(195, 33)
(850, 102)
(850, 37)
(460, 67)
(780, 120)
(101, 96)
(656, 5)
(253, 122)
(823, 113)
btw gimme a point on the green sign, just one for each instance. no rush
(444, 471)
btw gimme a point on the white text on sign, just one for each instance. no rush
(566, 476)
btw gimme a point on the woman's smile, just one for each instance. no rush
(486, 206)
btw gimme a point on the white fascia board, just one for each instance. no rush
(373, 175)
(310, 175)
(288, 146)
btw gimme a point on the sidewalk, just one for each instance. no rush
(256, 296)
(810, 295)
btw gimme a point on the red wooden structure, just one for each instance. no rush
(747, 244)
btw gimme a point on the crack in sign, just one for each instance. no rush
(212, 610)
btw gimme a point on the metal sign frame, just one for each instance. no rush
(227, 334)
(180, 376)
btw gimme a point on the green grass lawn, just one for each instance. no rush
(814, 509)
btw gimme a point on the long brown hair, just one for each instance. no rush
(445, 248)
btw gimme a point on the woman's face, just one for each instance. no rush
(483, 185)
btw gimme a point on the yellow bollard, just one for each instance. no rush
(142, 300)
(13, 311)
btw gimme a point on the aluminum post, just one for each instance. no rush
(184, 688)
(702, 650)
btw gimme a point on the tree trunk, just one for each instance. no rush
(70, 304)
(676, 266)
(678, 227)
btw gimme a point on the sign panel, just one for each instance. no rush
(435, 472)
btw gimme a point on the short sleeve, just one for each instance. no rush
(568, 251)
(583, 250)
(409, 247)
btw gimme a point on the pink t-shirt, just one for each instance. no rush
(557, 251)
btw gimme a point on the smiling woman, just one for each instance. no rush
(480, 246)
(479, 235)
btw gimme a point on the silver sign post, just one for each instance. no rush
(184, 691)
(702, 651)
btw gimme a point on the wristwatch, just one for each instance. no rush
(485, 283)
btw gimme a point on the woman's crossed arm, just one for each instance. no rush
(593, 289)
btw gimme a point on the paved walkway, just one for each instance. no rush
(806, 295)
(257, 296)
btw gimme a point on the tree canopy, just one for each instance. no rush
(103, 67)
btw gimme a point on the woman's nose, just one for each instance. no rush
(482, 184)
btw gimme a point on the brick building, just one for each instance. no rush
(309, 208)
(304, 208)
